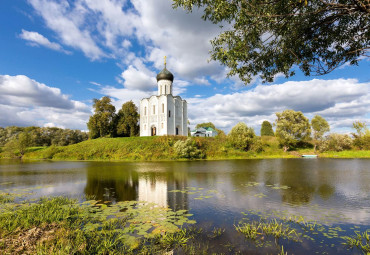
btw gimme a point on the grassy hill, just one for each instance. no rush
(162, 148)
(146, 148)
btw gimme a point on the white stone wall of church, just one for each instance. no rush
(153, 114)
(170, 117)
(161, 117)
(154, 117)
(185, 118)
(144, 117)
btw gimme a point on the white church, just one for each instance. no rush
(163, 114)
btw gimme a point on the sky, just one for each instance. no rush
(56, 56)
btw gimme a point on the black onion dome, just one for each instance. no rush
(164, 75)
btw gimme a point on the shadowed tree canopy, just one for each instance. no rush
(102, 123)
(128, 119)
(266, 129)
(266, 38)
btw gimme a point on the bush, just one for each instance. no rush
(241, 136)
(188, 149)
(362, 142)
(336, 142)
(257, 145)
(362, 137)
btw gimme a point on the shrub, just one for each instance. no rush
(336, 142)
(241, 136)
(257, 145)
(187, 149)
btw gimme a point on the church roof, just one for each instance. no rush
(164, 75)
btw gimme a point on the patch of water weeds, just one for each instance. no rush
(359, 240)
(201, 193)
(258, 226)
(65, 226)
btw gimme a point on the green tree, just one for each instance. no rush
(241, 136)
(266, 38)
(205, 125)
(266, 129)
(319, 126)
(128, 119)
(291, 127)
(102, 123)
(19, 144)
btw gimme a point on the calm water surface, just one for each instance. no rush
(331, 192)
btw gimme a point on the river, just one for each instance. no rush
(330, 192)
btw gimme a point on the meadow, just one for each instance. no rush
(161, 148)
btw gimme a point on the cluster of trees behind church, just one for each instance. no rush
(105, 122)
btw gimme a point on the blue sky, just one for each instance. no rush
(56, 56)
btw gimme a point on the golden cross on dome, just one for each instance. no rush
(165, 63)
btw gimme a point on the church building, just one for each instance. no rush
(163, 114)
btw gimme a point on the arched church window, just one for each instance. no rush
(145, 110)
(162, 108)
(160, 90)
(169, 114)
(153, 109)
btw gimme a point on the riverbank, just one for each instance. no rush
(61, 225)
(162, 149)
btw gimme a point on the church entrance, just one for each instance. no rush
(177, 131)
(154, 131)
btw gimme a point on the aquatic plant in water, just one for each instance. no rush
(64, 226)
(359, 240)
(262, 229)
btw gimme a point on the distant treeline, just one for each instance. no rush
(42, 136)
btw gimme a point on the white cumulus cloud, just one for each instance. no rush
(25, 102)
(68, 23)
(37, 39)
(335, 100)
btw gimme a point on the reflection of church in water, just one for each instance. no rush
(159, 192)
(141, 184)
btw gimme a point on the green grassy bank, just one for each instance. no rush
(162, 148)
(60, 225)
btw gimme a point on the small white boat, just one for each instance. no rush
(309, 156)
